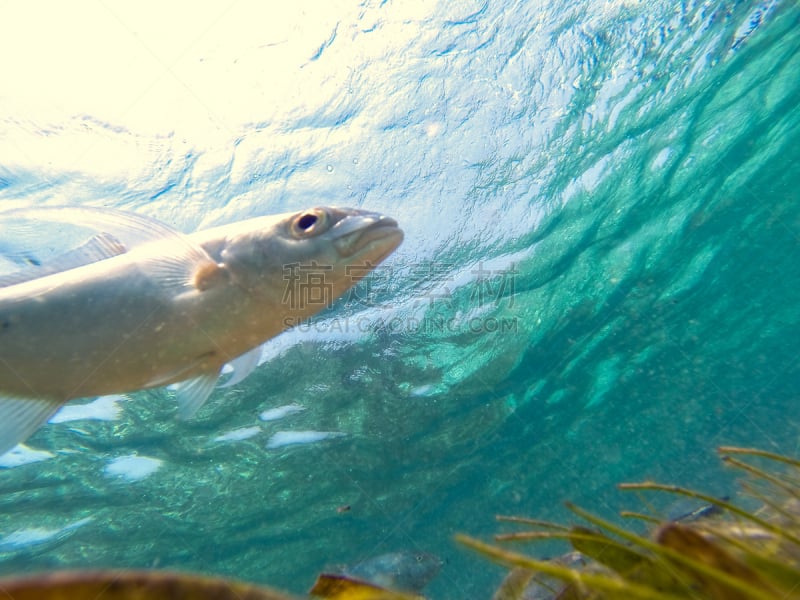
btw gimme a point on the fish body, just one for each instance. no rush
(174, 309)
(106, 328)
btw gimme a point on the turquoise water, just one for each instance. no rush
(599, 280)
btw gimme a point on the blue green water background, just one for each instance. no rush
(599, 281)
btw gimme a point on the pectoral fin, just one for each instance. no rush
(20, 417)
(193, 393)
(209, 274)
(243, 366)
(179, 269)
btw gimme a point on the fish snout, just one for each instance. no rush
(370, 233)
(357, 220)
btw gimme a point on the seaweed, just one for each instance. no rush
(719, 552)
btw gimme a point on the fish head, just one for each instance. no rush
(301, 262)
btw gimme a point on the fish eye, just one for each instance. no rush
(306, 221)
(309, 222)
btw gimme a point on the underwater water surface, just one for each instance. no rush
(599, 280)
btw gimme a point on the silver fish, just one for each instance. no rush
(141, 305)
(398, 571)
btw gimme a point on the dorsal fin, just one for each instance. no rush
(167, 255)
(131, 229)
(96, 248)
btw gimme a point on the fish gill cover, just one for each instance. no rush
(599, 279)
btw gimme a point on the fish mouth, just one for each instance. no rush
(372, 236)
